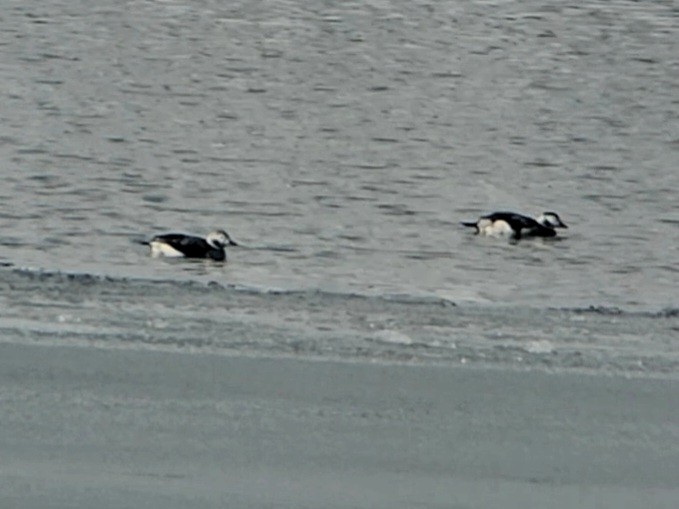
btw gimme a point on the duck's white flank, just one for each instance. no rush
(159, 248)
(497, 228)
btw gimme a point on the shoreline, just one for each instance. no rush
(117, 314)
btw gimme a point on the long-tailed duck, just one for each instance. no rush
(516, 225)
(180, 245)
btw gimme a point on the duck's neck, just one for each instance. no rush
(542, 220)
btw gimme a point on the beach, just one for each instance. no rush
(90, 427)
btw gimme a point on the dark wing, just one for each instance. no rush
(191, 247)
(518, 222)
(524, 226)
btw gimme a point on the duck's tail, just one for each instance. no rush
(469, 225)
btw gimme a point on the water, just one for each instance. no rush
(341, 143)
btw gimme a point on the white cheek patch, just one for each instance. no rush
(162, 249)
(495, 228)
(549, 220)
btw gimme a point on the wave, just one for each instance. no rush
(86, 279)
(668, 312)
(191, 316)
(180, 285)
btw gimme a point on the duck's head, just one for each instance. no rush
(551, 219)
(219, 239)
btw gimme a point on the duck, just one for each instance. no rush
(177, 245)
(517, 226)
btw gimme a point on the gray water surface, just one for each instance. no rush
(342, 142)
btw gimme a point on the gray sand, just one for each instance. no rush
(87, 427)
